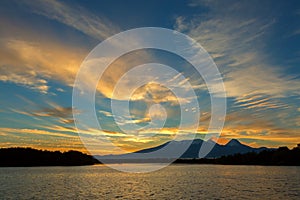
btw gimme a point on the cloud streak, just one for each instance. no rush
(234, 39)
(32, 63)
(75, 17)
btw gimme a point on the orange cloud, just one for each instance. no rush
(31, 63)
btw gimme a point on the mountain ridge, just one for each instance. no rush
(175, 148)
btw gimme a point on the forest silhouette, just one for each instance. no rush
(26, 157)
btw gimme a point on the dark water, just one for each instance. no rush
(173, 182)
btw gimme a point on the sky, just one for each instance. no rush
(255, 45)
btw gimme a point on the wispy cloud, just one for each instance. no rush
(40, 139)
(54, 110)
(34, 64)
(74, 16)
(31, 64)
(60, 114)
(234, 39)
(30, 81)
(261, 80)
(35, 132)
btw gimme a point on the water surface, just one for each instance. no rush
(173, 182)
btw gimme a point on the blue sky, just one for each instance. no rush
(255, 45)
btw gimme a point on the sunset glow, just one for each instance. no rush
(43, 44)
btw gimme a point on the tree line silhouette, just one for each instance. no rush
(24, 157)
(281, 156)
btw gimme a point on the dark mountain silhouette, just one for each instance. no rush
(232, 153)
(277, 157)
(234, 142)
(231, 148)
(24, 157)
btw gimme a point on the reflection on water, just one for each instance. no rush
(173, 182)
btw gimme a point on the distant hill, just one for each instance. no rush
(276, 157)
(231, 148)
(280, 156)
(24, 157)
(232, 153)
